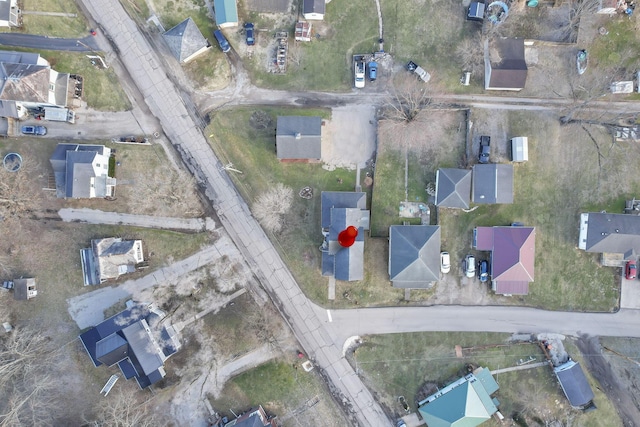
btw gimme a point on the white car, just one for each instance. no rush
(359, 74)
(470, 266)
(445, 262)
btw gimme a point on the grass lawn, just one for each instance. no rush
(295, 396)
(402, 364)
(53, 26)
(253, 152)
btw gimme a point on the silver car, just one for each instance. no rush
(470, 266)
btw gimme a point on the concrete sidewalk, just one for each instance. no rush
(92, 216)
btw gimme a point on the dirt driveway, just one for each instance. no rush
(350, 137)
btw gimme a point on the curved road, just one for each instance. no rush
(321, 333)
(85, 44)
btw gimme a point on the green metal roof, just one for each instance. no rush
(466, 405)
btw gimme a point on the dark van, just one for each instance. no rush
(222, 41)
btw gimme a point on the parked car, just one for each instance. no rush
(485, 149)
(630, 270)
(483, 271)
(248, 27)
(373, 70)
(222, 41)
(34, 130)
(359, 73)
(445, 262)
(470, 266)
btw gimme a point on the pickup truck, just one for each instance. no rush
(424, 76)
(359, 73)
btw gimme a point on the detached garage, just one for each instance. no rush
(520, 149)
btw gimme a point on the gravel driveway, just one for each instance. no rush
(349, 138)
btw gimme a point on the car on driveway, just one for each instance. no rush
(373, 70)
(470, 266)
(34, 130)
(485, 149)
(248, 27)
(445, 262)
(222, 41)
(483, 271)
(630, 270)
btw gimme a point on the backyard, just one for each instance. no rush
(412, 365)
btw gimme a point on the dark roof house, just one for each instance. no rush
(136, 340)
(186, 41)
(574, 384)
(299, 138)
(313, 9)
(109, 258)
(504, 64)
(28, 81)
(492, 183)
(341, 210)
(610, 233)
(512, 256)
(453, 188)
(414, 255)
(226, 12)
(466, 402)
(81, 171)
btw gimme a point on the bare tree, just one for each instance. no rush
(295, 54)
(408, 97)
(18, 191)
(470, 52)
(125, 407)
(579, 8)
(271, 206)
(27, 387)
(175, 191)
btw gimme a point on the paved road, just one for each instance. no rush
(92, 216)
(160, 94)
(85, 44)
(343, 324)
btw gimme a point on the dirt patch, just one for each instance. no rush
(349, 138)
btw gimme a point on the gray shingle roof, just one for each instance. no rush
(574, 384)
(299, 137)
(612, 233)
(414, 255)
(453, 188)
(492, 183)
(185, 40)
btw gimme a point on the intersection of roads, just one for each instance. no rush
(321, 333)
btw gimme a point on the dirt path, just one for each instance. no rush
(92, 216)
(615, 387)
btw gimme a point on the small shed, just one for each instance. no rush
(476, 11)
(24, 289)
(303, 31)
(622, 87)
(520, 149)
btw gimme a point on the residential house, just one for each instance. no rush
(24, 289)
(414, 255)
(453, 188)
(226, 12)
(466, 402)
(492, 183)
(186, 41)
(313, 9)
(9, 13)
(110, 258)
(574, 384)
(28, 82)
(504, 64)
(610, 234)
(512, 256)
(138, 340)
(254, 417)
(82, 171)
(299, 138)
(339, 211)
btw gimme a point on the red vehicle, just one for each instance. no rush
(630, 270)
